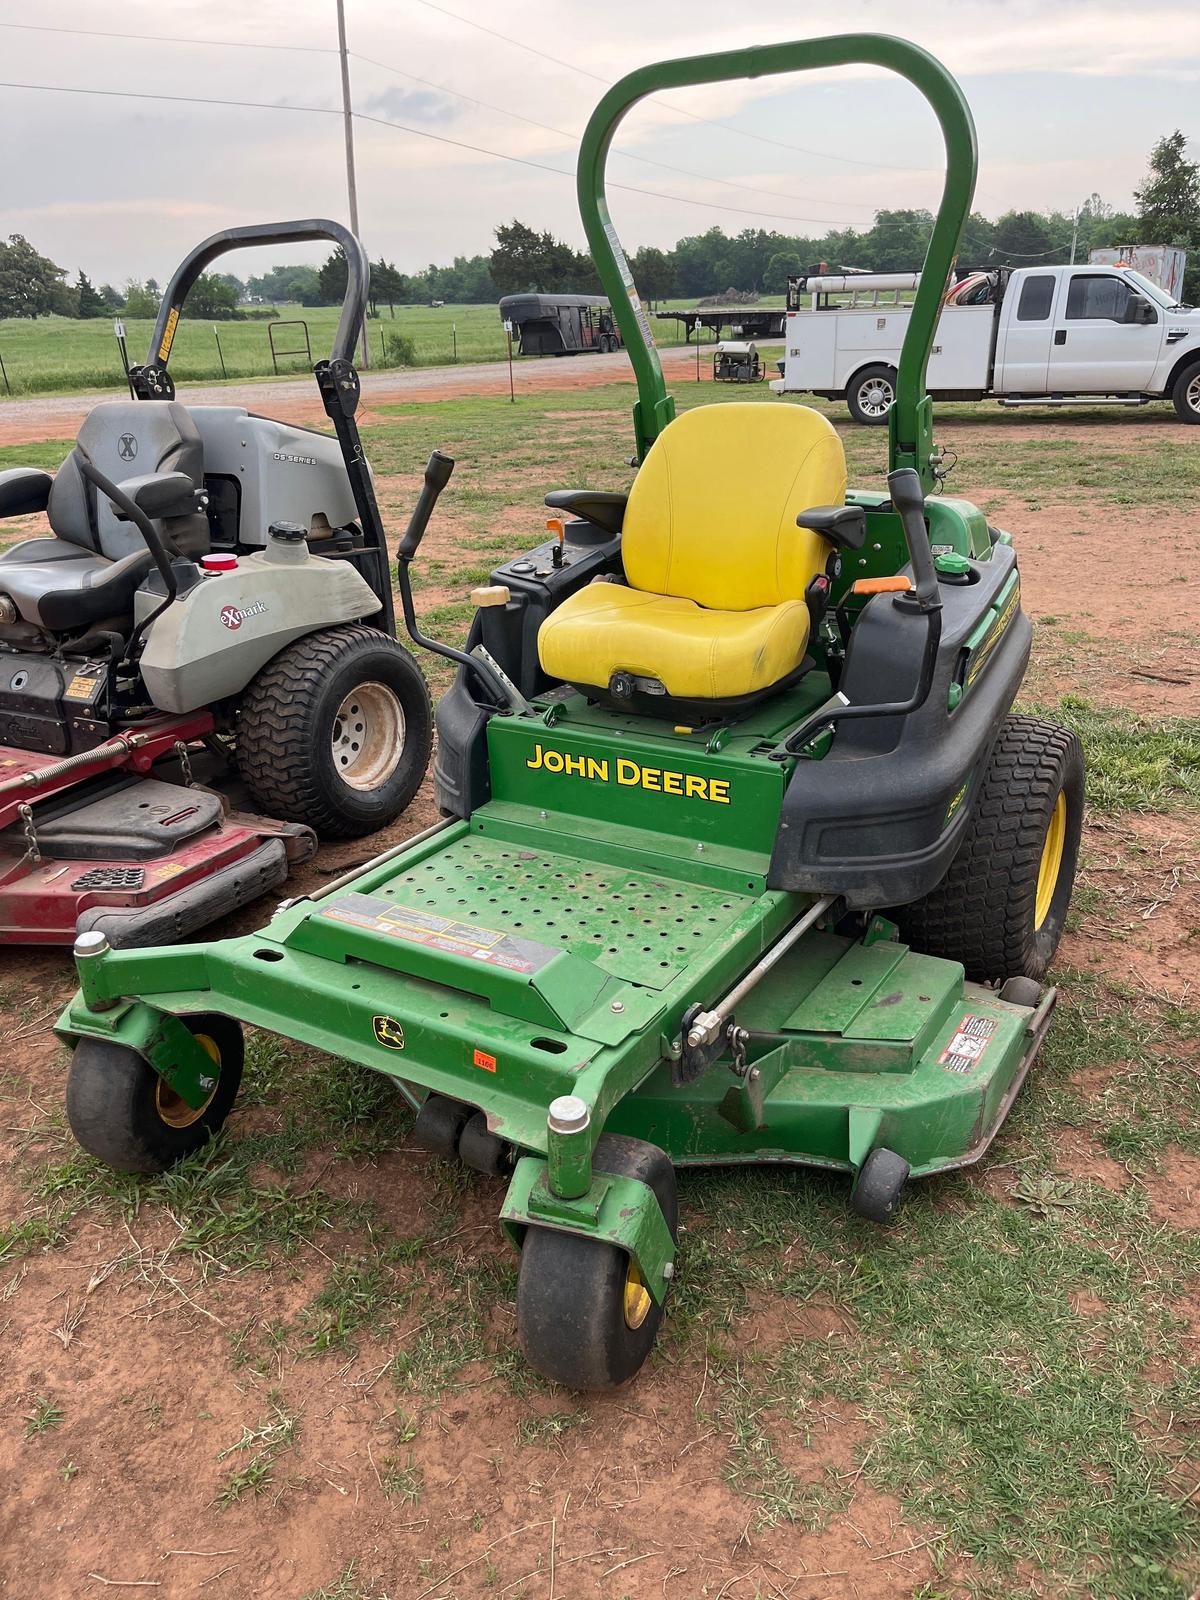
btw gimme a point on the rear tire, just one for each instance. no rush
(583, 1317)
(1001, 907)
(336, 732)
(871, 395)
(122, 1112)
(1185, 395)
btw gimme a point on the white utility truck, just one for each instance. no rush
(1094, 335)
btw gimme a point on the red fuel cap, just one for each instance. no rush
(219, 563)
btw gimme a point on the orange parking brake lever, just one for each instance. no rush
(897, 585)
(557, 527)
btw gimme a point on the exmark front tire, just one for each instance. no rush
(122, 1112)
(584, 1317)
(336, 732)
(1185, 394)
(1002, 906)
(871, 395)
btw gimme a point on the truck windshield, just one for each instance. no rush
(1151, 290)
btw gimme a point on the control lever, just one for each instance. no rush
(908, 498)
(437, 476)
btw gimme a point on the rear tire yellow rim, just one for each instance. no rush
(637, 1297)
(1050, 866)
(172, 1108)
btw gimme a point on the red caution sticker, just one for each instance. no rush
(966, 1048)
(482, 1059)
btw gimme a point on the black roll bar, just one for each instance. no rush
(151, 381)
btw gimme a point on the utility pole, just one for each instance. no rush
(351, 185)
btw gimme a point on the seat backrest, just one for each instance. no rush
(712, 512)
(124, 439)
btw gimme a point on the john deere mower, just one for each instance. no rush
(744, 857)
(213, 592)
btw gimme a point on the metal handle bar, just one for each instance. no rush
(354, 302)
(911, 417)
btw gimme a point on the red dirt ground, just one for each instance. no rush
(632, 1502)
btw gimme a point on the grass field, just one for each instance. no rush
(62, 355)
(997, 1399)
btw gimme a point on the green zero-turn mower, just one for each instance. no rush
(744, 858)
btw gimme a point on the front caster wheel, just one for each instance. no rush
(876, 1191)
(584, 1317)
(121, 1111)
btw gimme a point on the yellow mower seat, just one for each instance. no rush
(715, 566)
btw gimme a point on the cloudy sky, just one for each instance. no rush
(1068, 96)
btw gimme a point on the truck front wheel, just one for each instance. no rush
(871, 394)
(1186, 394)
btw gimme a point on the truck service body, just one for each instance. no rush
(1058, 335)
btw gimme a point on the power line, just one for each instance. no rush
(679, 111)
(420, 133)
(312, 49)
(167, 38)
(628, 155)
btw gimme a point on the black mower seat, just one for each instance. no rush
(62, 588)
(713, 604)
(89, 572)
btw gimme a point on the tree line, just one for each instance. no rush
(758, 261)
(753, 261)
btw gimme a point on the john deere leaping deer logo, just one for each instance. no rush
(388, 1032)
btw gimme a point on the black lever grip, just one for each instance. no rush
(437, 475)
(908, 498)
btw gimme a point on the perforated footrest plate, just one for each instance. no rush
(633, 925)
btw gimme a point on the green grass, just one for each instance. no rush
(263, 1446)
(1133, 763)
(344, 1587)
(61, 354)
(42, 1417)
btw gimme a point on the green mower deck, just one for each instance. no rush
(530, 954)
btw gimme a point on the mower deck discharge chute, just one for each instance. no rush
(214, 591)
(744, 856)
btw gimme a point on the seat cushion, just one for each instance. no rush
(58, 586)
(712, 512)
(697, 654)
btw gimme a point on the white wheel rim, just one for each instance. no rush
(875, 397)
(368, 736)
(1192, 395)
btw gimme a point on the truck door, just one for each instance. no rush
(1024, 354)
(1107, 336)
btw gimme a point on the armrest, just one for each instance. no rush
(24, 490)
(603, 507)
(160, 494)
(843, 526)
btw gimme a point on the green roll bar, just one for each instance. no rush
(910, 423)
